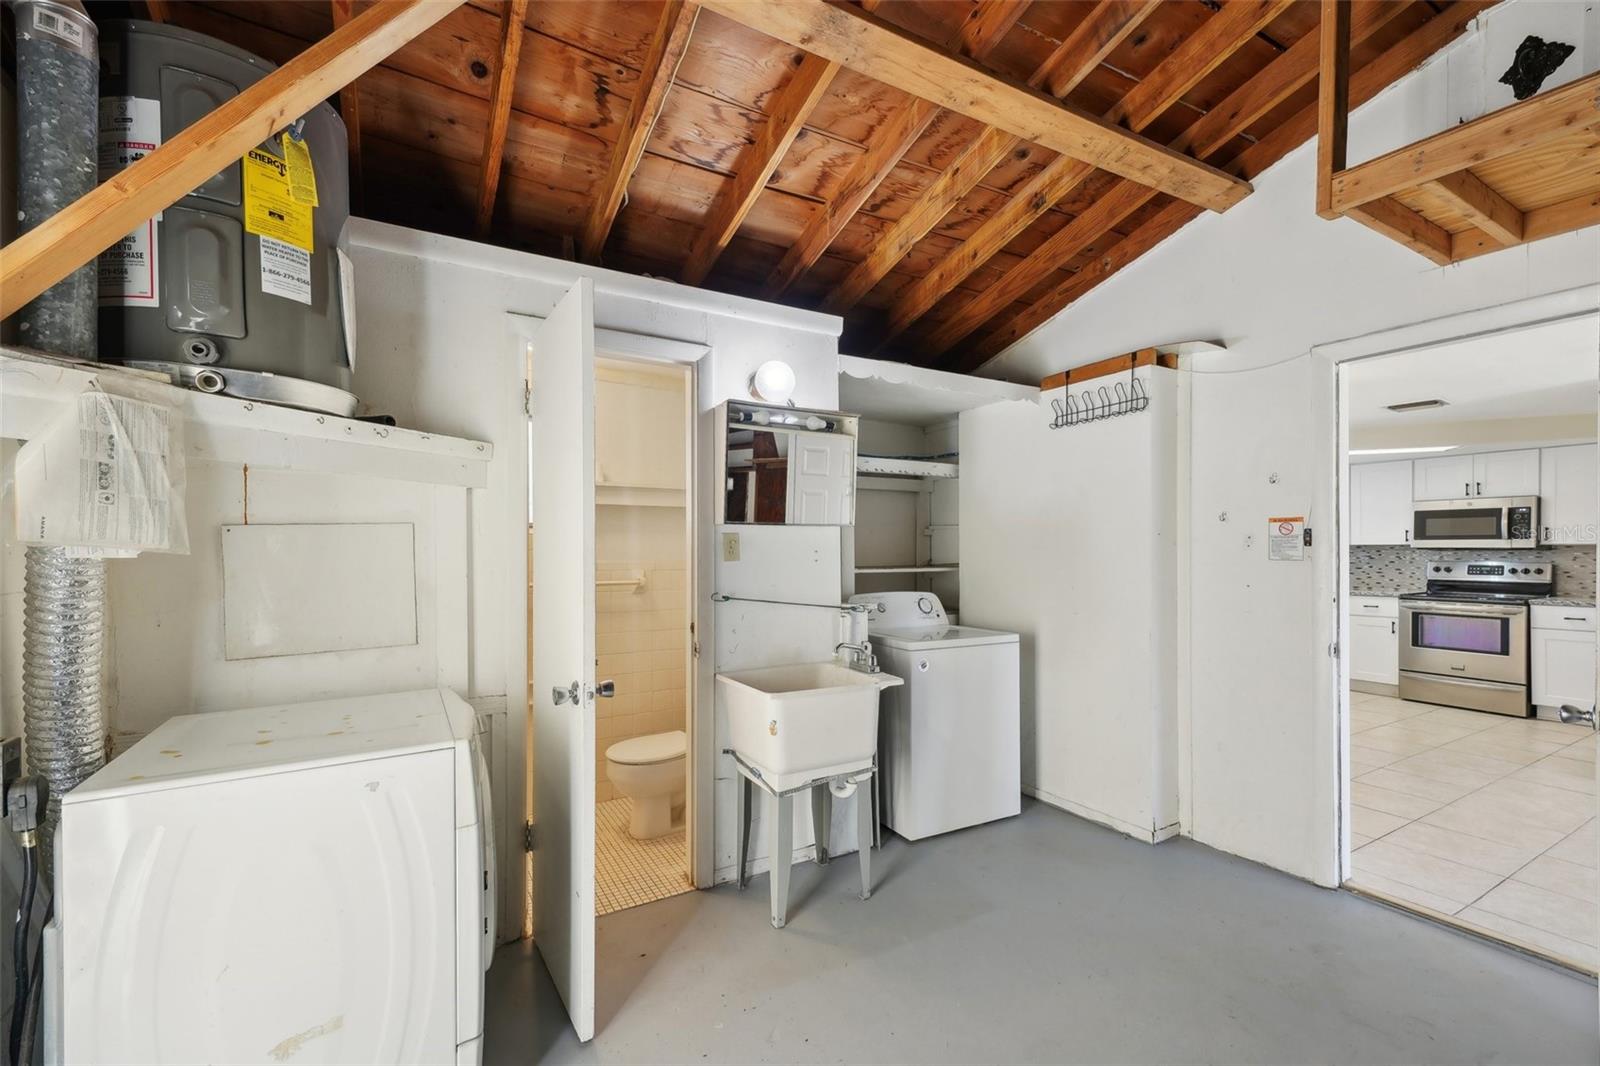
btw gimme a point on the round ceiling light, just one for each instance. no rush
(773, 382)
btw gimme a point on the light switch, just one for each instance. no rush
(730, 547)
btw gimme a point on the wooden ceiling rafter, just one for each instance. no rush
(787, 114)
(83, 229)
(1079, 53)
(513, 24)
(1431, 196)
(672, 35)
(1371, 78)
(1223, 34)
(988, 22)
(342, 11)
(869, 45)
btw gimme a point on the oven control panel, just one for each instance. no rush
(1495, 570)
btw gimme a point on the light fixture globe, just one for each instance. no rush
(773, 382)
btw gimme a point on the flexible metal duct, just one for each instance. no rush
(64, 598)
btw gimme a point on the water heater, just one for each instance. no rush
(237, 287)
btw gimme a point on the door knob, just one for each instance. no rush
(565, 695)
(605, 689)
(1572, 715)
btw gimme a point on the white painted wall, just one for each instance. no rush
(433, 325)
(1270, 280)
(1069, 538)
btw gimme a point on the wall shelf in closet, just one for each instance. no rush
(636, 496)
(932, 569)
(893, 466)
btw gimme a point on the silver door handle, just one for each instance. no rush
(565, 695)
(1392, 627)
(1466, 488)
(605, 689)
(1480, 488)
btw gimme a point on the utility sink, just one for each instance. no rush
(804, 721)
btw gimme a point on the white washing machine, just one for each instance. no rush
(304, 883)
(949, 739)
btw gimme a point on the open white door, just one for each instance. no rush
(562, 515)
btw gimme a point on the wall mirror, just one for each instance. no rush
(786, 466)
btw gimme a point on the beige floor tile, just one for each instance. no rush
(1447, 767)
(1358, 841)
(1566, 878)
(1464, 848)
(1507, 749)
(1397, 744)
(1472, 721)
(1401, 892)
(1540, 908)
(1421, 728)
(1577, 847)
(1540, 729)
(1396, 780)
(1377, 798)
(1531, 937)
(1360, 722)
(1374, 824)
(1487, 766)
(1545, 805)
(1441, 877)
(631, 872)
(1372, 758)
(1585, 748)
(1492, 823)
(1576, 775)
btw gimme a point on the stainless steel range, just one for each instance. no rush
(1464, 642)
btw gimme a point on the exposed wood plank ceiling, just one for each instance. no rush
(669, 139)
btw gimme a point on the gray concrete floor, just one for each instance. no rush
(1045, 939)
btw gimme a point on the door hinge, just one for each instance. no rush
(1306, 536)
(528, 836)
(527, 399)
(1333, 650)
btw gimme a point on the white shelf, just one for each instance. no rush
(885, 466)
(930, 569)
(636, 496)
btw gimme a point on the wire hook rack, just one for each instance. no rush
(1096, 404)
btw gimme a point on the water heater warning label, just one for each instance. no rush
(285, 270)
(270, 209)
(130, 129)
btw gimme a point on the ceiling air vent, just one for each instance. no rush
(1417, 405)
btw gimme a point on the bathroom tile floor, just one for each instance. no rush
(629, 872)
(1483, 820)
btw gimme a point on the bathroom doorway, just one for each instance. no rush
(643, 631)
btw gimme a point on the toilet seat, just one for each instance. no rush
(647, 750)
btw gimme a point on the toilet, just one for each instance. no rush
(649, 771)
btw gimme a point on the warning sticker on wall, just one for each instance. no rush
(1286, 538)
(270, 209)
(285, 270)
(130, 129)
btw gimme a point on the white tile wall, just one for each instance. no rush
(641, 643)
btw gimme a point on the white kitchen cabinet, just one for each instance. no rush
(1380, 503)
(1443, 477)
(638, 431)
(1452, 477)
(1562, 654)
(1506, 473)
(1568, 507)
(1375, 640)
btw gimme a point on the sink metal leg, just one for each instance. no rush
(741, 805)
(780, 815)
(821, 820)
(864, 822)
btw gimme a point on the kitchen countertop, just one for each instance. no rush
(1381, 591)
(1564, 601)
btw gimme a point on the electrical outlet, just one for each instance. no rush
(1249, 541)
(730, 547)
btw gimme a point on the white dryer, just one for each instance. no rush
(950, 738)
(310, 882)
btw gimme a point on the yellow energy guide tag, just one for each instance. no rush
(302, 177)
(270, 209)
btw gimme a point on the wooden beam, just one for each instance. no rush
(1519, 127)
(1116, 364)
(865, 43)
(158, 10)
(1333, 99)
(1200, 54)
(785, 115)
(1487, 209)
(1395, 62)
(1399, 223)
(350, 112)
(1111, 21)
(1539, 223)
(43, 256)
(660, 67)
(985, 25)
(513, 21)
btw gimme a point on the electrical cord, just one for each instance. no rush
(19, 950)
(30, 1009)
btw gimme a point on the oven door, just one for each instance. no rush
(1482, 642)
(1461, 524)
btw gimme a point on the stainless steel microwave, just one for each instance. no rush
(1477, 522)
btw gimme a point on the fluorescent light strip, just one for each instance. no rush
(1404, 451)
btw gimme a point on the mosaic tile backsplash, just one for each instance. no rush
(1392, 569)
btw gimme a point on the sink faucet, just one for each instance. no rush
(861, 657)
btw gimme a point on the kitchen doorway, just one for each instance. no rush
(1466, 557)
